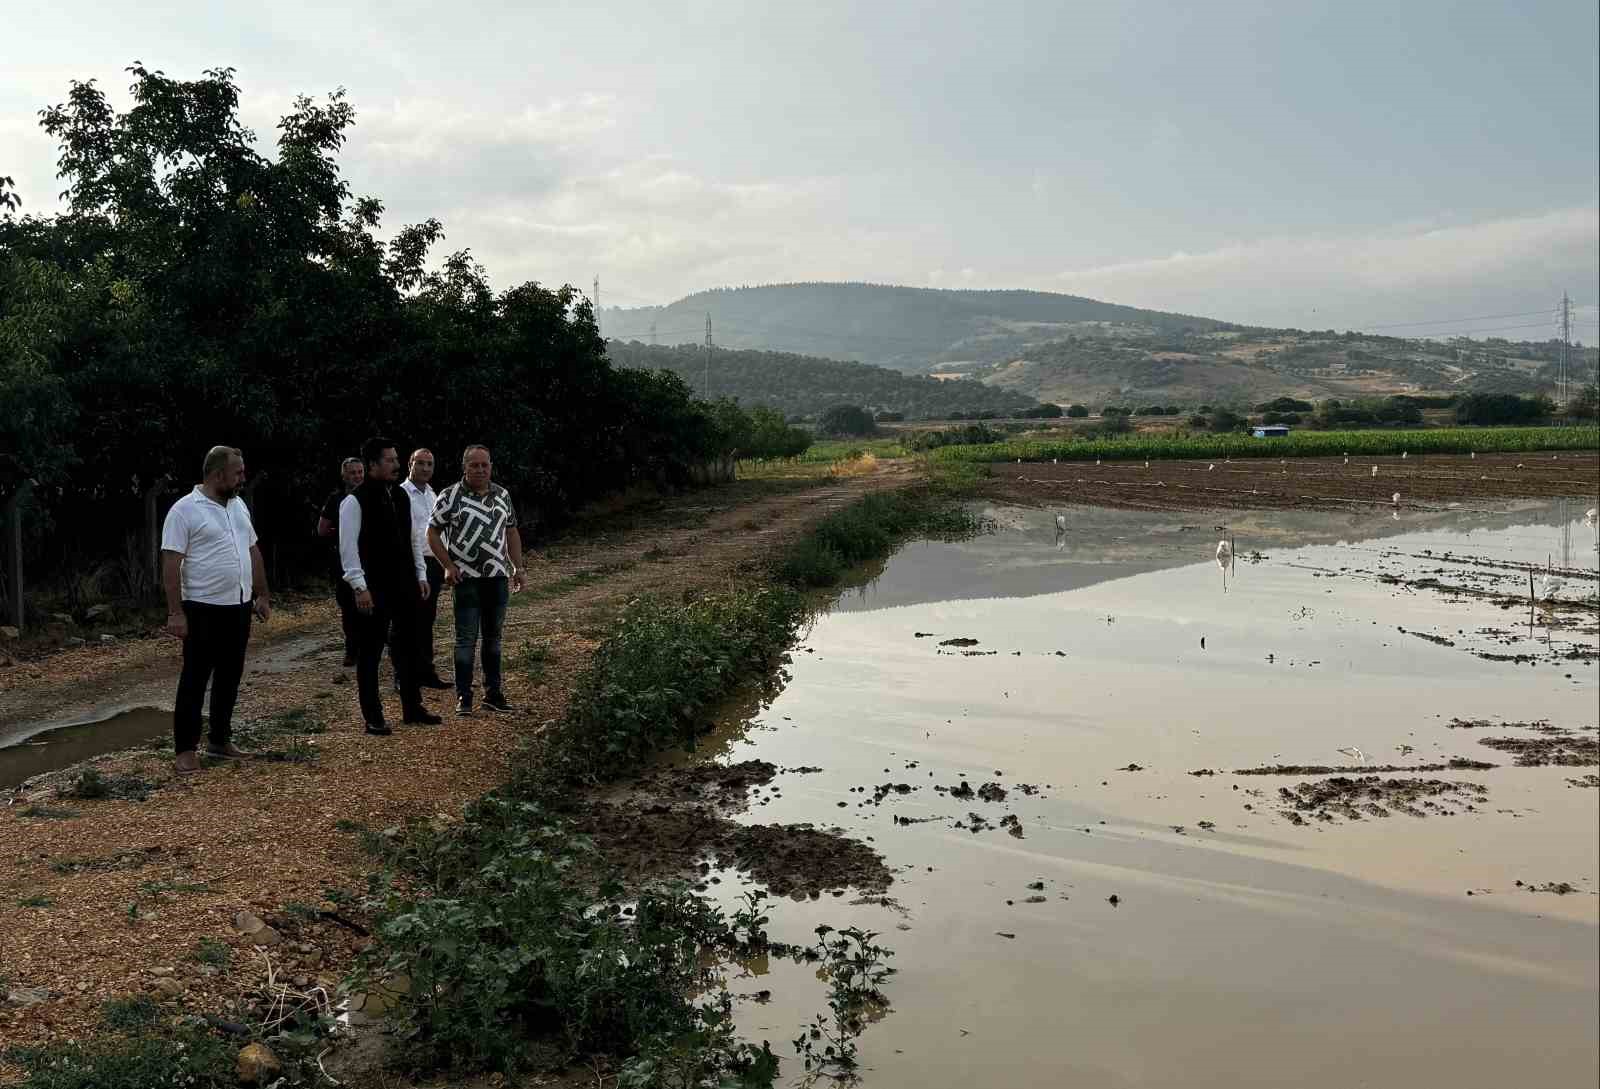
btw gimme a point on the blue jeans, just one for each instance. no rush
(480, 604)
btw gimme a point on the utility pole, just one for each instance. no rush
(706, 390)
(597, 307)
(1566, 339)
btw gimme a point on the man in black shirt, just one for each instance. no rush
(354, 472)
(383, 565)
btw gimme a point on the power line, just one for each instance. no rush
(1453, 321)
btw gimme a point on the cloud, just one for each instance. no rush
(1395, 275)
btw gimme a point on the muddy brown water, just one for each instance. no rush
(52, 747)
(78, 733)
(1247, 949)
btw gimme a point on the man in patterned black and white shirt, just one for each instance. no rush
(473, 534)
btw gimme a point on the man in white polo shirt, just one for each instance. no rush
(214, 578)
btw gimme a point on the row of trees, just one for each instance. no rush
(802, 387)
(196, 291)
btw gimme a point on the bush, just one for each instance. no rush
(1040, 412)
(846, 421)
(1285, 404)
(1077, 412)
(1502, 408)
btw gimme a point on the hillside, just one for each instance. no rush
(907, 328)
(799, 385)
(1067, 349)
(1253, 365)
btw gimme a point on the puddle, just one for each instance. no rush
(1250, 942)
(39, 750)
(86, 730)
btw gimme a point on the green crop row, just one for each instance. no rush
(1452, 440)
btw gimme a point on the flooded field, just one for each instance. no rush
(1325, 814)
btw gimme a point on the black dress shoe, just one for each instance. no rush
(494, 701)
(435, 682)
(422, 717)
(379, 729)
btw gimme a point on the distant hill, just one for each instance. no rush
(1242, 366)
(907, 328)
(800, 385)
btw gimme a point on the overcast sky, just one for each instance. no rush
(1348, 164)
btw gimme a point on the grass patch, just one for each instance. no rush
(123, 860)
(129, 1014)
(36, 901)
(211, 951)
(533, 659)
(578, 580)
(188, 1058)
(1443, 440)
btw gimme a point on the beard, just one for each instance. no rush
(225, 493)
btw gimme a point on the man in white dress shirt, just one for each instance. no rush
(383, 566)
(214, 577)
(419, 471)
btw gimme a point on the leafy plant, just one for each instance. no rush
(856, 970)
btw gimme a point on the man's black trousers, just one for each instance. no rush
(346, 598)
(212, 651)
(397, 609)
(425, 614)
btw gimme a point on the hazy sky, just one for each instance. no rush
(1346, 164)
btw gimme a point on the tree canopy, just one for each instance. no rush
(198, 290)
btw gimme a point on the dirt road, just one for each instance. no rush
(107, 898)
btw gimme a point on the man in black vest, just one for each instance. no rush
(384, 568)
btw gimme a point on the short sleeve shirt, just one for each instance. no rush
(214, 540)
(473, 528)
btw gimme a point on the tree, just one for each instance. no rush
(1077, 412)
(846, 421)
(1586, 405)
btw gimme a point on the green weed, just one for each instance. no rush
(91, 784)
(211, 951)
(36, 901)
(533, 659)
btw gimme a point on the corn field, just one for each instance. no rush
(1303, 444)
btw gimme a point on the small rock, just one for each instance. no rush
(95, 611)
(107, 638)
(258, 1065)
(8, 632)
(158, 972)
(302, 981)
(82, 986)
(61, 618)
(73, 641)
(169, 986)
